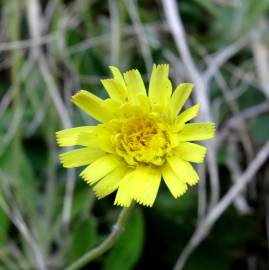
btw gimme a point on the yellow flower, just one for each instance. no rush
(142, 137)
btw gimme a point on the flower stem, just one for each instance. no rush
(117, 229)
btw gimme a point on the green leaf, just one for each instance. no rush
(26, 182)
(4, 227)
(83, 199)
(25, 185)
(84, 237)
(127, 250)
(219, 12)
(249, 15)
(170, 208)
(257, 129)
(210, 262)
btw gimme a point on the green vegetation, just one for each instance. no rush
(50, 49)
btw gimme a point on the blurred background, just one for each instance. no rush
(50, 49)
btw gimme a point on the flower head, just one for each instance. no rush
(142, 137)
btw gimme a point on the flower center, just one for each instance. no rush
(142, 139)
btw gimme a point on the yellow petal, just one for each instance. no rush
(183, 170)
(146, 182)
(115, 90)
(91, 104)
(112, 107)
(80, 157)
(86, 139)
(179, 97)
(144, 102)
(118, 76)
(68, 137)
(187, 115)
(165, 93)
(100, 168)
(100, 138)
(124, 193)
(197, 131)
(110, 182)
(191, 152)
(160, 87)
(135, 85)
(176, 186)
